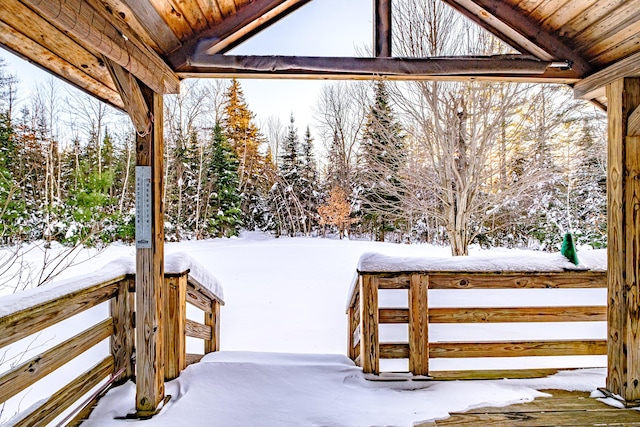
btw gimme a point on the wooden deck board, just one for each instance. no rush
(561, 409)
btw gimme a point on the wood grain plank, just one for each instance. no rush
(84, 23)
(491, 374)
(68, 395)
(198, 330)
(419, 324)
(123, 341)
(518, 314)
(212, 321)
(393, 350)
(517, 348)
(34, 319)
(197, 299)
(464, 280)
(154, 25)
(175, 326)
(589, 86)
(150, 269)
(369, 324)
(193, 358)
(27, 373)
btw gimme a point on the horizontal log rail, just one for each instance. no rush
(118, 327)
(365, 317)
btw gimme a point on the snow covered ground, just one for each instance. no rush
(284, 339)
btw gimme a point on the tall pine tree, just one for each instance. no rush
(221, 188)
(255, 170)
(383, 155)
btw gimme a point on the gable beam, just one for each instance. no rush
(111, 39)
(382, 28)
(501, 67)
(519, 32)
(235, 29)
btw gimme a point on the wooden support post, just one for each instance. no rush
(123, 338)
(623, 274)
(149, 261)
(175, 319)
(213, 320)
(418, 325)
(369, 342)
(382, 28)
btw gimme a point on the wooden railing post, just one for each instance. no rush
(369, 342)
(350, 330)
(213, 320)
(122, 308)
(175, 319)
(419, 324)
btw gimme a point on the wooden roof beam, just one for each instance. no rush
(501, 67)
(593, 86)
(382, 28)
(111, 38)
(20, 45)
(235, 29)
(519, 32)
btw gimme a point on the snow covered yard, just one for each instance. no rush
(287, 296)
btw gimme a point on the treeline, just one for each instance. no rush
(441, 162)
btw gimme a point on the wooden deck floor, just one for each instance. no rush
(562, 409)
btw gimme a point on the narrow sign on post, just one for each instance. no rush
(143, 207)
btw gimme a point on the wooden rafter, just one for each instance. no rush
(111, 38)
(152, 22)
(235, 29)
(507, 67)
(594, 84)
(518, 31)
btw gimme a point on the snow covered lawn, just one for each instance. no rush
(288, 295)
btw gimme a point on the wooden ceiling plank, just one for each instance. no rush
(557, 20)
(34, 27)
(633, 123)
(227, 7)
(589, 16)
(213, 14)
(531, 30)
(614, 39)
(172, 17)
(110, 39)
(590, 86)
(621, 50)
(191, 12)
(23, 46)
(153, 24)
(131, 95)
(609, 25)
(489, 22)
(235, 29)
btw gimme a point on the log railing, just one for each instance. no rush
(114, 368)
(365, 316)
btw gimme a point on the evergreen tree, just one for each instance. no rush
(221, 177)
(309, 191)
(255, 170)
(383, 155)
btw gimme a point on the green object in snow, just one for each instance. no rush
(569, 249)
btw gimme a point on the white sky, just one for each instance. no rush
(316, 29)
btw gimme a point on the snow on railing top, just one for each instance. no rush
(174, 264)
(490, 261)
